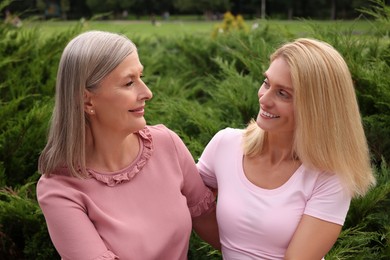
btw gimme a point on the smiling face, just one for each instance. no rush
(119, 101)
(276, 99)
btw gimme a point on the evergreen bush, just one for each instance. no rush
(200, 85)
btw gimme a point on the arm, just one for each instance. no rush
(205, 167)
(71, 231)
(312, 239)
(322, 220)
(200, 199)
(206, 227)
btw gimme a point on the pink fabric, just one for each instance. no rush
(141, 212)
(256, 223)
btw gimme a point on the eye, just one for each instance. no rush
(129, 84)
(283, 94)
(265, 83)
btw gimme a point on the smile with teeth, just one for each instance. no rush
(269, 115)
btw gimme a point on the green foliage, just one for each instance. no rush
(230, 23)
(200, 85)
(27, 74)
(5, 3)
(377, 128)
(366, 232)
(381, 12)
(23, 233)
(199, 250)
(351, 245)
(22, 138)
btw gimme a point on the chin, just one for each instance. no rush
(258, 122)
(261, 125)
(138, 126)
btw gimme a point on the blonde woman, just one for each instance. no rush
(285, 182)
(112, 186)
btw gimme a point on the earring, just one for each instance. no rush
(91, 110)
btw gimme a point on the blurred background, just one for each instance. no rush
(200, 9)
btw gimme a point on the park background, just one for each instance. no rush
(204, 62)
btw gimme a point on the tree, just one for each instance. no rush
(102, 6)
(262, 9)
(202, 6)
(65, 7)
(41, 5)
(333, 10)
(126, 4)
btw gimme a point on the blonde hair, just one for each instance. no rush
(85, 61)
(329, 134)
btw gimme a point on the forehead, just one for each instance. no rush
(131, 65)
(129, 68)
(279, 72)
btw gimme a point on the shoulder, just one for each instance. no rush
(229, 132)
(162, 136)
(58, 178)
(57, 184)
(228, 135)
(329, 199)
(160, 130)
(327, 179)
(323, 183)
(317, 177)
(157, 129)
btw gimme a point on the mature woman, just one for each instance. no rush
(112, 186)
(286, 181)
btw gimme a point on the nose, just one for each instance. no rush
(264, 96)
(145, 93)
(261, 91)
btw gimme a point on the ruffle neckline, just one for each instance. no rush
(128, 173)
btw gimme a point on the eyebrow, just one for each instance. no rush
(278, 85)
(130, 75)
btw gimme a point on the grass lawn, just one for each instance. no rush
(131, 28)
(144, 28)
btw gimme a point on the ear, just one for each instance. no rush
(88, 107)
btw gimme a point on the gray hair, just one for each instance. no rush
(85, 61)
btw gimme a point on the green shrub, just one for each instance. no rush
(366, 232)
(23, 137)
(377, 128)
(200, 86)
(23, 230)
(230, 23)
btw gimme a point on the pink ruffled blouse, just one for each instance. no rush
(141, 212)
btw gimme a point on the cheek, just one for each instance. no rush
(291, 114)
(286, 109)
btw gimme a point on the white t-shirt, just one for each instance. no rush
(257, 223)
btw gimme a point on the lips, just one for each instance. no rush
(139, 109)
(267, 114)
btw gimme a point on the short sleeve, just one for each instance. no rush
(200, 199)
(330, 200)
(206, 162)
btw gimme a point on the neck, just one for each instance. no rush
(278, 148)
(111, 153)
